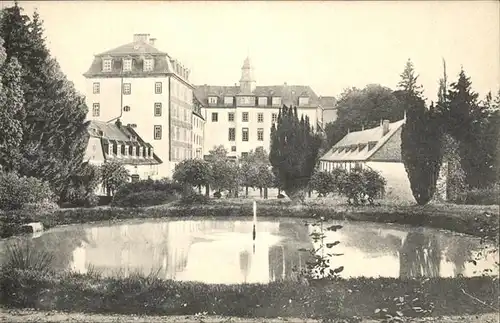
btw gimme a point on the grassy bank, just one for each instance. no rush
(480, 221)
(152, 296)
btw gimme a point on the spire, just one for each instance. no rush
(247, 82)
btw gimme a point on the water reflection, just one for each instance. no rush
(222, 251)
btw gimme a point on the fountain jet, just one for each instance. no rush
(254, 219)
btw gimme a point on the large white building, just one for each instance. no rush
(150, 91)
(240, 117)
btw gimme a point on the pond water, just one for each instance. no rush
(222, 250)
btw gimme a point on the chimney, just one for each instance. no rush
(385, 127)
(152, 41)
(141, 37)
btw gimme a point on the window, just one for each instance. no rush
(276, 101)
(96, 110)
(244, 134)
(158, 87)
(126, 108)
(127, 88)
(244, 155)
(228, 100)
(185, 114)
(260, 117)
(303, 101)
(262, 101)
(233, 148)
(106, 65)
(148, 64)
(127, 64)
(260, 134)
(232, 134)
(275, 117)
(157, 132)
(215, 117)
(178, 133)
(157, 109)
(244, 117)
(230, 116)
(212, 100)
(96, 88)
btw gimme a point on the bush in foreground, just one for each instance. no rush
(146, 193)
(15, 191)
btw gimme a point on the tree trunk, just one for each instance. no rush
(265, 193)
(199, 189)
(260, 192)
(207, 190)
(296, 195)
(246, 191)
(309, 193)
(236, 191)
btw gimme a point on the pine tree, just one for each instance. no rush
(11, 114)
(421, 143)
(55, 135)
(294, 149)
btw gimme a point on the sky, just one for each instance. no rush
(329, 45)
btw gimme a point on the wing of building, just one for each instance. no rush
(150, 90)
(240, 116)
(377, 148)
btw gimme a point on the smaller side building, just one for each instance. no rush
(198, 128)
(118, 142)
(377, 148)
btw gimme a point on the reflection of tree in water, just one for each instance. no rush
(459, 251)
(60, 245)
(420, 256)
(285, 259)
(245, 262)
(371, 242)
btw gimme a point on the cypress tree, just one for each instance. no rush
(54, 131)
(294, 149)
(421, 139)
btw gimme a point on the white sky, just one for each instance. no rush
(328, 45)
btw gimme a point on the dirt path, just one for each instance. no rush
(26, 315)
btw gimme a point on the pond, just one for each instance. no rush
(223, 251)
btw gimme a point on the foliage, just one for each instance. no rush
(194, 172)
(362, 185)
(83, 186)
(255, 170)
(320, 267)
(21, 255)
(223, 172)
(113, 175)
(421, 139)
(16, 191)
(193, 198)
(358, 108)
(481, 196)
(294, 150)
(11, 113)
(54, 130)
(146, 193)
(322, 182)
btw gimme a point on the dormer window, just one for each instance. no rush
(262, 101)
(276, 101)
(106, 65)
(127, 64)
(212, 100)
(228, 100)
(303, 101)
(148, 64)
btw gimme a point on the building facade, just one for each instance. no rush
(148, 90)
(240, 117)
(198, 129)
(377, 148)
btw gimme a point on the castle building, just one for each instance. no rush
(150, 91)
(240, 117)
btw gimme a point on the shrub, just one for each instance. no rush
(193, 198)
(362, 185)
(15, 191)
(280, 196)
(322, 182)
(217, 195)
(42, 207)
(146, 193)
(480, 196)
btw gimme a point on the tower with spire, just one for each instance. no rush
(247, 81)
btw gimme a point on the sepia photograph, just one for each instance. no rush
(250, 161)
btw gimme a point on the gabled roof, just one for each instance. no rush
(134, 48)
(289, 93)
(361, 145)
(110, 132)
